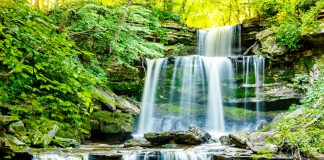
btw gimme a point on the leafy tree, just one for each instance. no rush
(42, 78)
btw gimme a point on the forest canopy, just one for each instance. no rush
(210, 13)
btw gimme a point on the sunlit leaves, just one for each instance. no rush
(39, 67)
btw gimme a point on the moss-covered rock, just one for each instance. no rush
(42, 140)
(269, 44)
(64, 142)
(111, 102)
(107, 126)
(5, 120)
(16, 128)
(124, 80)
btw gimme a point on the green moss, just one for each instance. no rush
(113, 117)
(169, 108)
(174, 109)
(240, 92)
(238, 113)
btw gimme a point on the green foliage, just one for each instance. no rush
(300, 82)
(265, 8)
(309, 21)
(42, 77)
(101, 30)
(302, 130)
(288, 33)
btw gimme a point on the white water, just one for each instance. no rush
(148, 99)
(193, 77)
(258, 62)
(219, 41)
(216, 68)
(168, 155)
(192, 93)
(255, 65)
(59, 156)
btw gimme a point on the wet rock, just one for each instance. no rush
(193, 136)
(111, 127)
(105, 157)
(137, 142)
(16, 128)
(262, 125)
(64, 142)
(224, 140)
(239, 139)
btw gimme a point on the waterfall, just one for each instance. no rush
(168, 155)
(221, 41)
(258, 62)
(185, 90)
(148, 99)
(193, 79)
(255, 65)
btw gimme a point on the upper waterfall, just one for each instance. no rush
(220, 41)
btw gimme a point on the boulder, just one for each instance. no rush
(64, 142)
(262, 124)
(256, 141)
(239, 139)
(137, 142)
(40, 140)
(193, 136)
(16, 128)
(12, 141)
(269, 44)
(111, 102)
(263, 147)
(6, 120)
(111, 127)
(224, 140)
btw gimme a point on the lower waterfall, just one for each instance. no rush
(168, 155)
(182, 91)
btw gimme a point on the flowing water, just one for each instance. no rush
(181, 91)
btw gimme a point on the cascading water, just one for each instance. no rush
(148, 100)
(221, 41)
(259, 64)
(168, 155)
(181, 91)
(254, 65)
